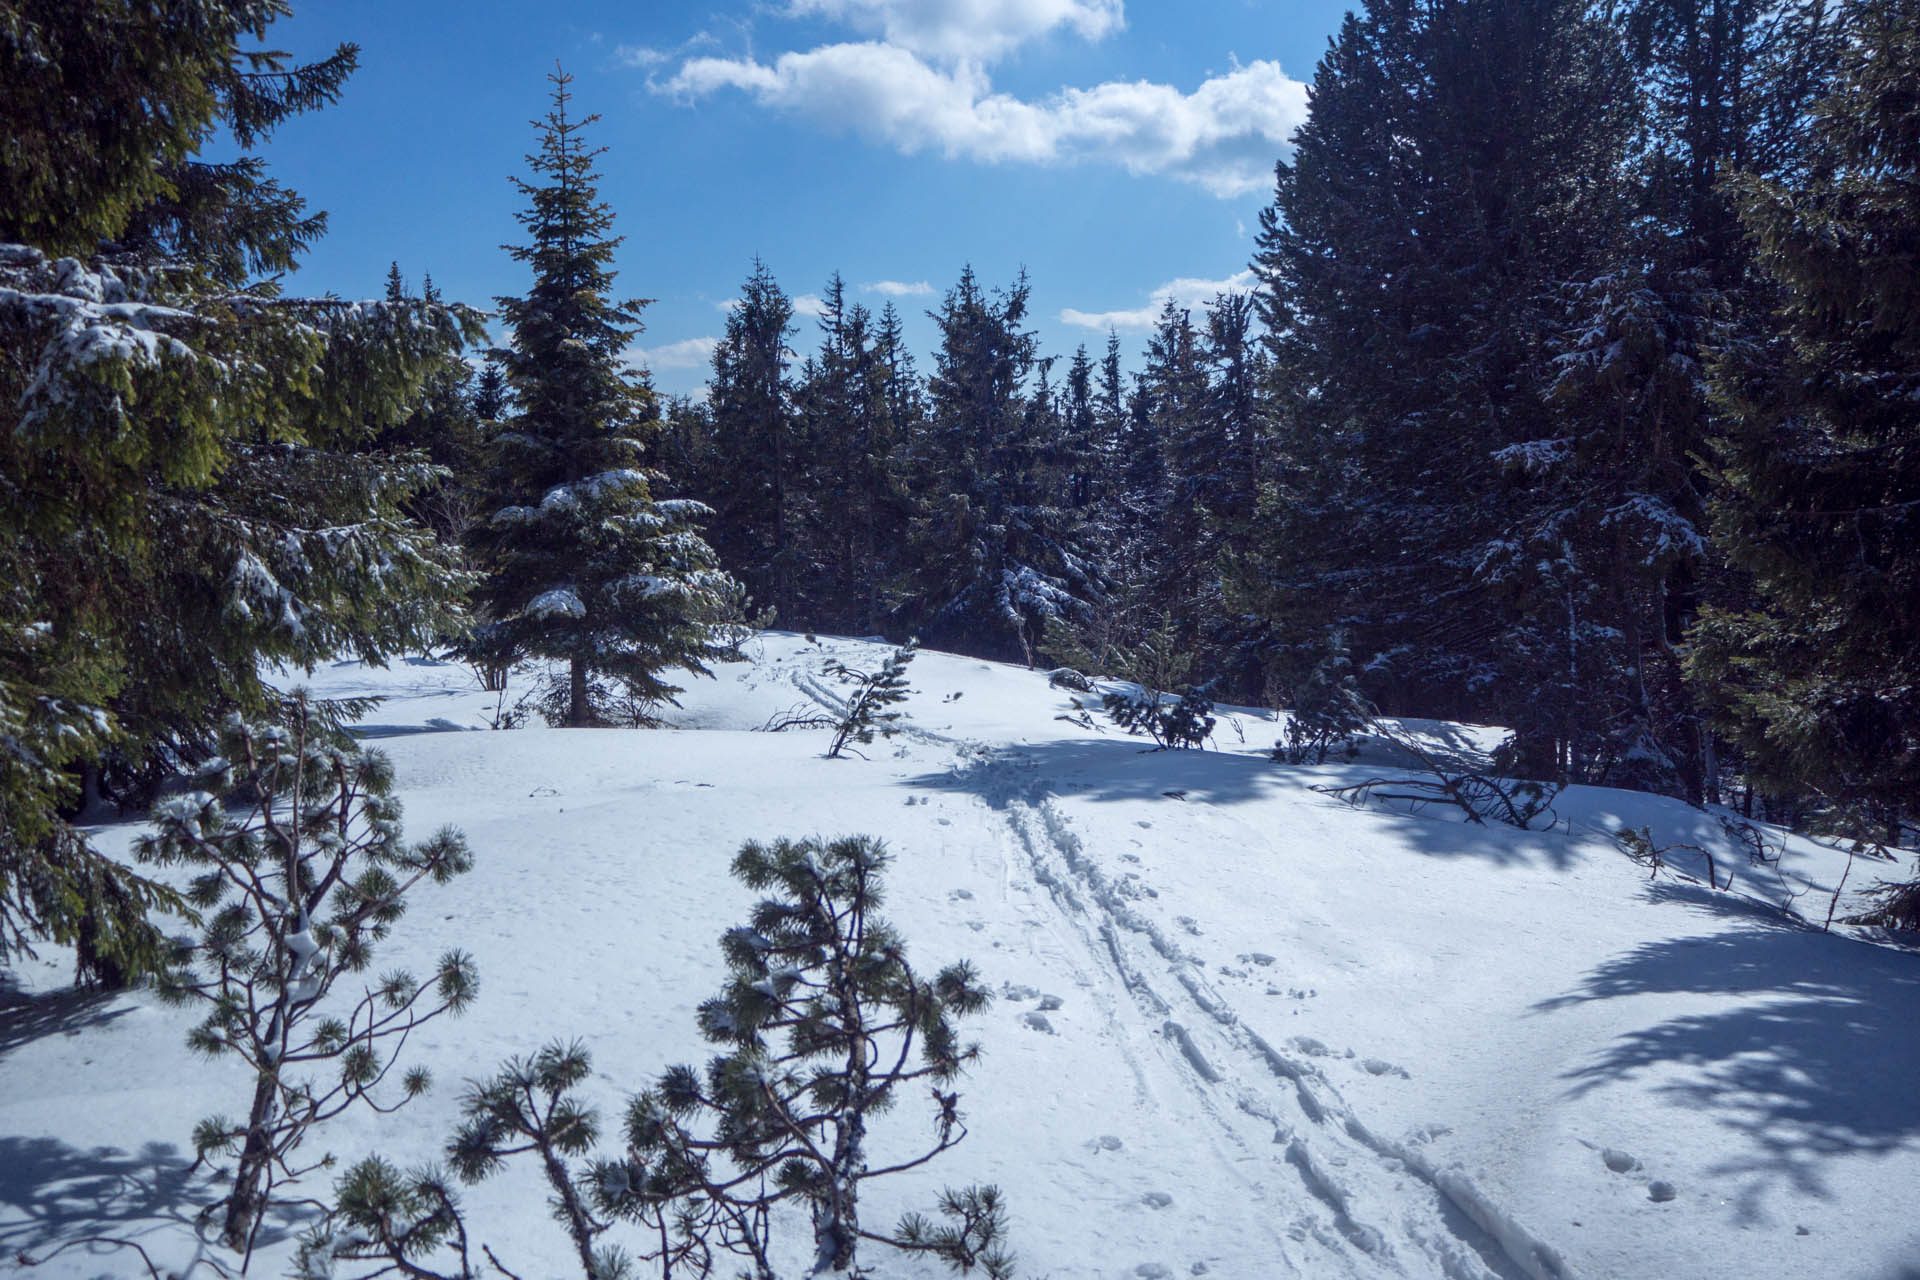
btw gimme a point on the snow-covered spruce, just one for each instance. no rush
(302, 869)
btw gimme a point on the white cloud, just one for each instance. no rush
(726, 304)
(977, 30)
(689, 353)
(809, 304)
(640, 55)
(899, 289)
(1224, 136)
(1190, 292)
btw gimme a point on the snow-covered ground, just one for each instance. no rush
(1244, 1030)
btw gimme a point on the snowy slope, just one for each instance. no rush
(1245, 1030)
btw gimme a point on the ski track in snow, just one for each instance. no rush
(1274, 1109)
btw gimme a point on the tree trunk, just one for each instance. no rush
(246, 1202)
(578, 707)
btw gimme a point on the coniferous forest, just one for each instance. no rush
(1576, 395)
(1577, 392)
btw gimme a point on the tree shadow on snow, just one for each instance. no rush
(53, 1194)
(26, 1018)
(1109, 770)
(1814, 1062)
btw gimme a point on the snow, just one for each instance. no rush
(1241, 1026)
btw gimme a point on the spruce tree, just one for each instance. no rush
(755, 488)
(855, 499)
(584, 566)
(187, 488)
(1453, 170)
(994, 559)
(1818, 469)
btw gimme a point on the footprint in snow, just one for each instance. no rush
(1037, 1022)
(1152, 1271)
(959, 895)
(1049, 1003)
(1011, 991)
(1311, 1047)
(1660, 1191)
(1381, 1067)
(1156, 1199)
(1618, 1161)
(1105, 1142)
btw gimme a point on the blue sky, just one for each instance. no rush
(1119, 151)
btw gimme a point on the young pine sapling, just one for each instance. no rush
(866, 711)
(296, 837)
(823, 1024)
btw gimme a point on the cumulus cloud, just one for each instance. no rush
(689, 353)
(1190, 292)
(809, 304)
(922, 84)
(979, 30)
(899, 289)
(1224, 136)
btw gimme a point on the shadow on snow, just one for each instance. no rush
(1811, 1059)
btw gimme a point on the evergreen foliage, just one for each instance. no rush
(294, 838)
(754, 470)
(1818, 467)
(188, 480)
(583, 565)
(865, 714)
(1457, 165)
(821, 1026)
(1326, 711)
(1158, 664)
(992, 557)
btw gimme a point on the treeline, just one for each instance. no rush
(1580, 393)
(1577, 394)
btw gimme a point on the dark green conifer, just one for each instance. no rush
(583, 566)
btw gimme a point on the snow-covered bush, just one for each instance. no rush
(296, 838)
(822, 1026)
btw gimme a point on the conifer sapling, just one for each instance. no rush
(873, 692)
(296, 838)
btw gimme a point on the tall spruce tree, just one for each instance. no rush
(1818, 468)
(583, 565)
(186, 484)
(1455, 166)
(757, 460)
(856, 501)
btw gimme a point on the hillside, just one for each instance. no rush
(1243, 1029)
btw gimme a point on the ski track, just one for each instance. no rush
(1236, 1078)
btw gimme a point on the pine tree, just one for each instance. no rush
(583, 565)
(295, 838)
(1818, 469)
(186, 484)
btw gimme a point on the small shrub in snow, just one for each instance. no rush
(1328, 711)
(822, 1025)
(296, 837)
(873, 692)
(1154, 667)
(1185, 721)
